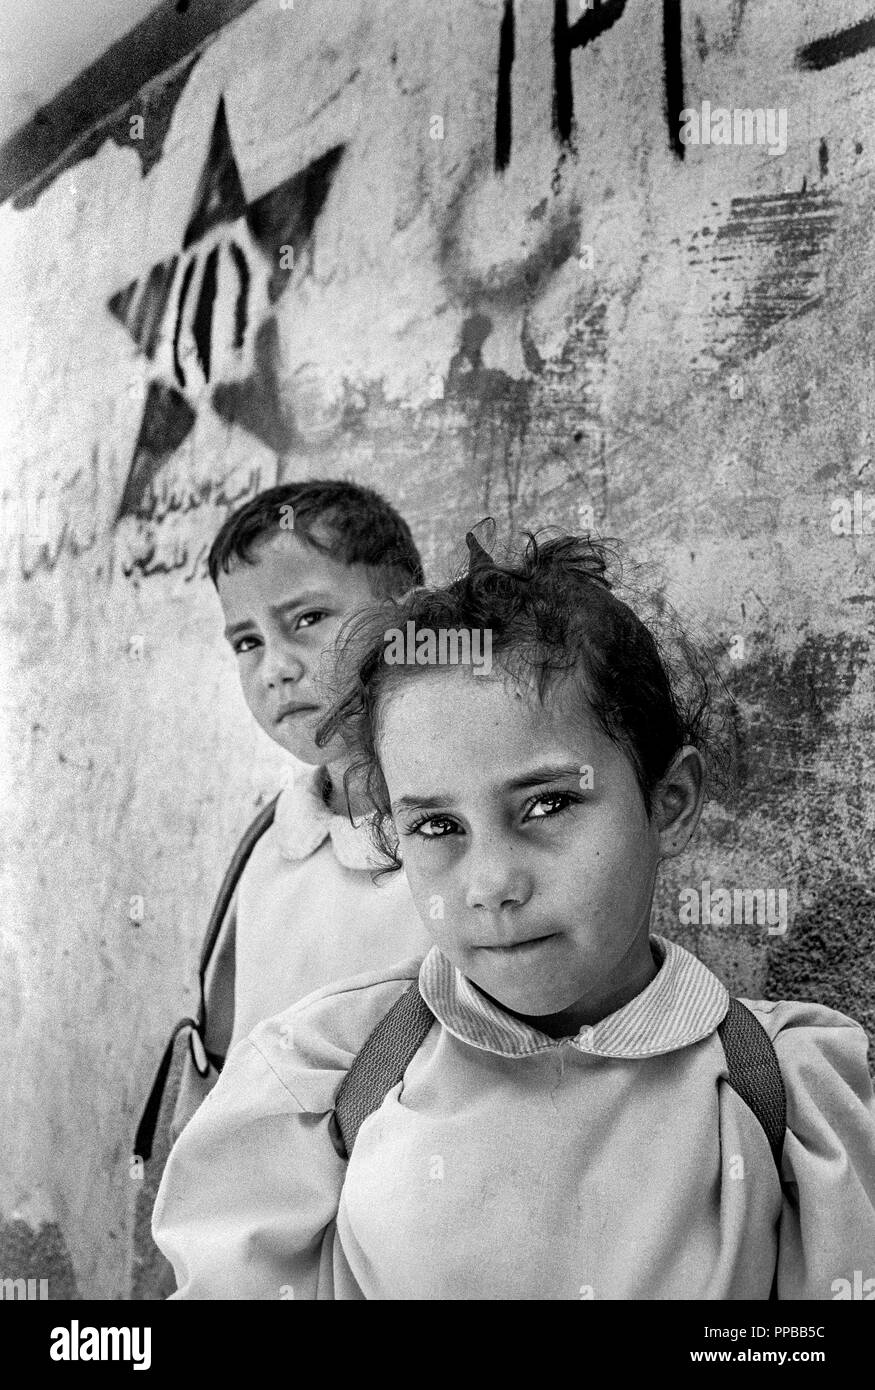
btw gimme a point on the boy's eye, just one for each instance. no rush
(561, 801)
(244, 644)
(431, 833)
(317, 614)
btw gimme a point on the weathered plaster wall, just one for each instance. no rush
(546, 309)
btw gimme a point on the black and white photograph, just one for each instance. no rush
(437, 543)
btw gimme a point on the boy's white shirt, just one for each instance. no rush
(308, 912)
(508, 1165)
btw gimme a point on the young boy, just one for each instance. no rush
(289, 567)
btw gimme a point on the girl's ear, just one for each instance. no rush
(678, 801)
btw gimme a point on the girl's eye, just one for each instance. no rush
(317, 613)
(432, 821)
(561, 802)
(245, 644)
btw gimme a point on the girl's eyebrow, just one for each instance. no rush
(534, 778)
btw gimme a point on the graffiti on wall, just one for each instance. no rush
(196, 315)
(204, 319)
(598, 17)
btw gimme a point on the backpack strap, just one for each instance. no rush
(754, 1072)
(202, 1059)
(382, 1062)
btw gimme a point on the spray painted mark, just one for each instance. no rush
(597, 19)
(769, 253)
(219, 197)
(177, 332)
(256, 404)
(168, 419)
(838, 47)
(504, 97)
(202, 328)
(277, 238)
(497, 408)
(672, 49)
(286, 216)
(242, 267)
(142, 313)
(566, 37)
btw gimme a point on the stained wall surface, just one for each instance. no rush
(457, 252)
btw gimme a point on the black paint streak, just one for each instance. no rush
(202, 327)
(672, 46)
(773, 244)
(168, 419)
(566, 38)
(837, 48)
(149, 313)
(177, 332)
(219, 196)
(256, 404)
(143, 317)
(119, 303)
(563, 97)
(287, 215)
(241, 308)
(504, 99)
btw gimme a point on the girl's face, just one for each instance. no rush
(526, 842)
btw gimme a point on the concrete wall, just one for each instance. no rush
(439, 250)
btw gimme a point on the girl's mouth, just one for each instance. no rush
(519, 948)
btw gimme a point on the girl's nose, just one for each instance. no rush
(497, 881)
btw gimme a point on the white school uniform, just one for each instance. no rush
(617, 1164)
(308, 912)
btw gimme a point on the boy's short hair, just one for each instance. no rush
(359, 527)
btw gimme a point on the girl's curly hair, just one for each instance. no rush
(552, 611)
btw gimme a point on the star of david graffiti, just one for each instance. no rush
(202, 317)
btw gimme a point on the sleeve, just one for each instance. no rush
(250, 1190)
(826, 1244)
(248, 1200)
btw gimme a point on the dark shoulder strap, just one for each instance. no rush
(382, 1062)
(145, 1135)
(754, 1072)
(263, 821)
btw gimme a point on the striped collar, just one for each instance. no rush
(302, 822)
(682, 1004)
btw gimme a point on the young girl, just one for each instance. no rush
(567, 1127)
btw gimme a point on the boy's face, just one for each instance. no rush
(282, 617)
(497, 863)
